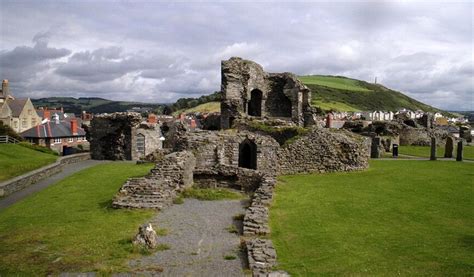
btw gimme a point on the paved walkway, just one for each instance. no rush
(67, 171)
(199, 241)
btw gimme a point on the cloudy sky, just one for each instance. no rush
(155, 51)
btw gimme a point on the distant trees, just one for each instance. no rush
(187, 103)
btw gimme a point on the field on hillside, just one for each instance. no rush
(16, 160)
(209, 107)
(425, 151)
(345, 94)
(333, 82)
(408, 218)
(70, 226)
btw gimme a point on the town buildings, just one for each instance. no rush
(19, 114)
(63, 136)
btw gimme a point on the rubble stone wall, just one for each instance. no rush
(222, 148)
(111, 136)
(283, 94)
(158, 189)
(323, 150)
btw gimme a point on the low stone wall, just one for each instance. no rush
(158, 189)
(18, 183)
(323, 150)
(244, 179)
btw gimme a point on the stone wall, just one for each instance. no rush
(114, 137)
(324, 150)
(213, 148)
(25, 180)
(422, 136)
(157, 190)
(249, 91)
(111, 135)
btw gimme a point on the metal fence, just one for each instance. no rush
(8, 139)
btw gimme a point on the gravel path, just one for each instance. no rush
(198, 241)
(67, 170)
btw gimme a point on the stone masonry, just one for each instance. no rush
(324, 150)
(123, 136)
(157, 190)
(250, 91)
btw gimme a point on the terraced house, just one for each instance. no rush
(19, 114)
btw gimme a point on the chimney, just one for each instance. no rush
(152, 119)
(46, 113)
(74, 126)
(5, 89)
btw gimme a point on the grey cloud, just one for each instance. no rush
(160, 51)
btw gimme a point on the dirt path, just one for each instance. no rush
(198, 239)
(65, 172)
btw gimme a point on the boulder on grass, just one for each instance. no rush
(146, 237)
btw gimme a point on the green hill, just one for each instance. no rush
(345, 94)
(92, 104)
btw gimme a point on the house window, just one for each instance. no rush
(79, 138)
(70, 139)
(24, 123)
(57, 140)
(29, 112)
(33, 122)
(15, 124)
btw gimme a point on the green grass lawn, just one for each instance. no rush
(409, 218)
(424, 151)
(70, 227)
(16, 160)
(333, 82)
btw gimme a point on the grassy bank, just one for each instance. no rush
(16, 160)
(406, 218)
(70, 227)
(424, 151)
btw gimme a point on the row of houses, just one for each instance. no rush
(55, 129)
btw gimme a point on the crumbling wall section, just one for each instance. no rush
(283, 94)
(157, 190)
(323, 150)
(111, 135)
(222, 148)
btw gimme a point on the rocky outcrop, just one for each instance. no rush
(324, 150)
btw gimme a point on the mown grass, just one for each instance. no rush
(408, 218)
(70, 226)
(425, 151)
(333, 82)
(16, 160)
(211, 194)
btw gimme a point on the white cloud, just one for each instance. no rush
(160, 51)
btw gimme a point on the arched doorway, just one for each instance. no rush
(248, 154)
(255, 103)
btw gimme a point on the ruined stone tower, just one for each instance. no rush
(250, 91)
